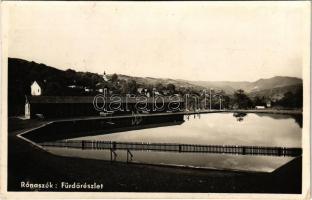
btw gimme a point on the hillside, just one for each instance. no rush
(270, 88)
(252, 87)
(154, 81)
(278, 92)
(21, 74)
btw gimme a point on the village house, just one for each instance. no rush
(72, 86)
(140, 90)
(260, 107)
(36, 89)
(87, 89)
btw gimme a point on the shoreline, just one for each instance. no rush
(79, 126)
(269, 111)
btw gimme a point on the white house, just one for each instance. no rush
(35, 89)
(260, 107)
(72, 86)
(87, 89)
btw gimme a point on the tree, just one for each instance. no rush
(292, 100)
(53, 88)
(159, 87)
(299, 98)
(129, 87)
(226, 101)
(171, 88)
(133, 86)
(259, 101)
(114, 78)
(241, 99)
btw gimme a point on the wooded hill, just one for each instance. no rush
(55, 82)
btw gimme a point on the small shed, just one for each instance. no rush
(260, 107)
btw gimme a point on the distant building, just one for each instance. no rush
(140, 90)
(87, 89)
(72, 86)
(260, 107)
(35, 89)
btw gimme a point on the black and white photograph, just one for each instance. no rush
(155, 98)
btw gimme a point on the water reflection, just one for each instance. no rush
(239, 116)
(217, 129)
(296, 117)
(195, 160)
(209, 129)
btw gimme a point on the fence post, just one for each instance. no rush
(244, 150)
(114, 145)
(128, 155)
(279, 150)
(111, 154)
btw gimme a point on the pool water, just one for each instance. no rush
(271, 130)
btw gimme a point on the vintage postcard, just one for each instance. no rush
(155, 100)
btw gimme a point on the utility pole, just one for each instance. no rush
(105, 98)
(210, 99)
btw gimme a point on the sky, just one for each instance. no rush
(208, 41)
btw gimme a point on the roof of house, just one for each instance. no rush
(42, 84)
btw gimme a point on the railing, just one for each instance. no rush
(140, 146)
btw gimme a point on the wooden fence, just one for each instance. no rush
(192, 148)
